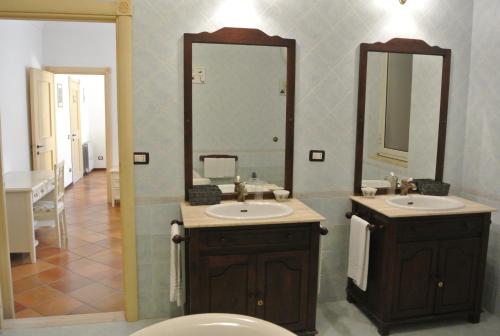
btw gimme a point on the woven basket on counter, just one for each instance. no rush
(431, 187)
(204, 195)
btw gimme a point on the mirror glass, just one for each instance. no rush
(239, 115)
(403, 98)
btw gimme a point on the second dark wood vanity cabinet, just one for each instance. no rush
(423, 268)
(267, 271)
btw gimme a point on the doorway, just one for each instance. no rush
(85, 276)
(90, 243)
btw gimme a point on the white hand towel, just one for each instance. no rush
(229, 167)
(359, 252)
(176, 275)
(213, 168)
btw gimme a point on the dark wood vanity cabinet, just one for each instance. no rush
(269, 272)
(423, 268)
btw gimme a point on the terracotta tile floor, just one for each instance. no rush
(87, 276)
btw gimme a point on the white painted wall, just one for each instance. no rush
(84, 45)
(21, 43)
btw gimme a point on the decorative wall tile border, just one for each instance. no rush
(482, 194)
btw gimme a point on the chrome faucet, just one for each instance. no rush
(240, 190)
(405, 186)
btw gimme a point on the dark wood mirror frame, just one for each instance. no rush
(242, 36)
(402, 46)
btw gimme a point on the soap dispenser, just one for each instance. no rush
(393, 180)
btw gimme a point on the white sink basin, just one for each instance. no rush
(425, 203)
(249, 210)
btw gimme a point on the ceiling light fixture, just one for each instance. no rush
(402, 2)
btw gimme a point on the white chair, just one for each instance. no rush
(51, 213)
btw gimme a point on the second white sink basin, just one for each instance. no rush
(249, 210)
(425, 203)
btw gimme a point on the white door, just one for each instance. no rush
(75, 126)
(43, 131)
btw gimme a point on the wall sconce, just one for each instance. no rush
(402, 2)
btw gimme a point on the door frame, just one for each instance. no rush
(120, 13)
(106, 72)
(71, 86)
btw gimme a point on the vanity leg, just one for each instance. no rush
(33, 257)
(474, 318)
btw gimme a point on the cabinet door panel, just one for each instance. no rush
(416, 265)
(228, 284)
(458, 263)
(282, 285)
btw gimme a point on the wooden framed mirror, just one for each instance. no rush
(239, 94)
(402, 112)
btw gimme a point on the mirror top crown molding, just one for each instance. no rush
(248, 36)
(406, 46)
(403, 46)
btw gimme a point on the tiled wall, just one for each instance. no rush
(328, 35)
(482, 151)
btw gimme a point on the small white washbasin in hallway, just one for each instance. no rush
(425, 202)
(214, 325)
(249, 210)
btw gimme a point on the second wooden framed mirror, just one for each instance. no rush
(402, 112)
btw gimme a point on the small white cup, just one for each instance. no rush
(281, 195)
(369, 192)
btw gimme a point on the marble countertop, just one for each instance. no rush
(378, 204)
(195, 217)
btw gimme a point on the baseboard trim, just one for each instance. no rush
(65, 320)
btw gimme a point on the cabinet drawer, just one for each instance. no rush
(440, 229)
(298, 236)
(37, 194)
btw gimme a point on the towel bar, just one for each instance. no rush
(178, 238)
(371, 227)
(176, 221)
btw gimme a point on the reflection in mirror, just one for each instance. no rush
(403, 99)
(239, 115)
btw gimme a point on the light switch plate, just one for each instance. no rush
(199, 75)
(317, 155)
(141, 158)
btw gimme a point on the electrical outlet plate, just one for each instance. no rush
(141, 158)
(317, 155)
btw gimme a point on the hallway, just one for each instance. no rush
(87, 276)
